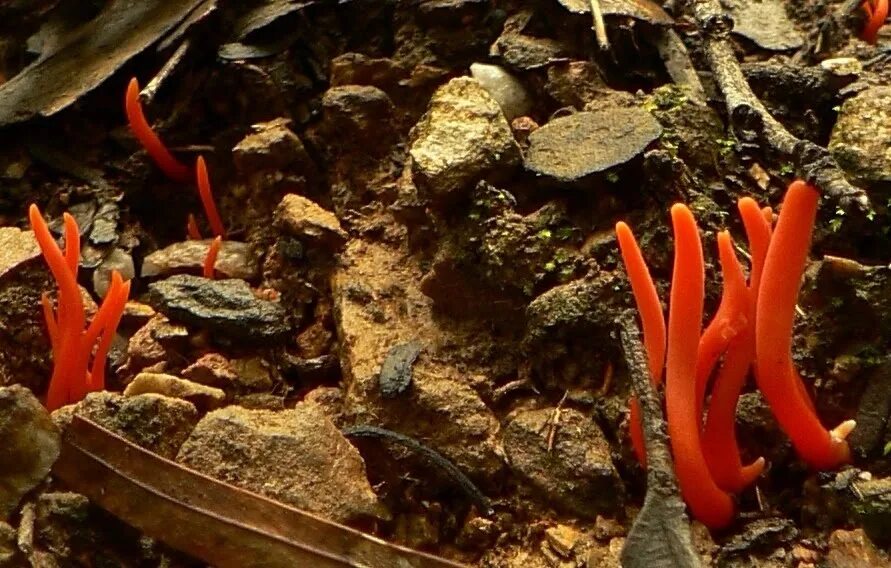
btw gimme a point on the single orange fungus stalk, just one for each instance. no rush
(192, 228)
(173, 168)
(719, 436)
(211, 259)
(708, 503)
(775, 312)
(71, 344)
(652, 321)
(876, 13)
(204, 191)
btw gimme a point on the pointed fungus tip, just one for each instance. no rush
(842, 431)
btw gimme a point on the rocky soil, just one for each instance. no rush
(419, 200)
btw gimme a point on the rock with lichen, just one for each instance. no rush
(31, 444)
(462, 137)
(297, 456)
(567, 459)
(859, 141)
(158, 423)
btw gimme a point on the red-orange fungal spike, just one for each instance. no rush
(652, 321)
(775, 313)
(206, 194)
(876, 13)
(173, 168)
(211, 259)
(719, 436)
(708, 503)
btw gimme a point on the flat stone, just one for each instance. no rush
(297, 456)
(764, 22)
(155, 422)
(305, 219)
(577, 473)
(462, 136)
(201, 396)
(225, 307)
(572, 147)
(235, 259)
(645, 10)
(16, 247)
(859, 139)
(31, 445)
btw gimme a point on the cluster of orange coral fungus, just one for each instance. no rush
(71, 344)
(752, 328)
(177, 171)
(876, 12)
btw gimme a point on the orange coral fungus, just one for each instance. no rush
(775, 311)
(204, 191)
(708, 502)
(71, 345)
(652, 321)
(876, 12)
(211, 259)
(173, 168)
(719, 437)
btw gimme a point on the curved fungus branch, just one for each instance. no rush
(775, 312)
(652, 321)
(206, 194)
(708, 502)
(173, 168)
(876, 13)
(719, 443)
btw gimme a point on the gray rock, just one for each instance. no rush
(30, 445)
(306, 219)
(157, 423)
(576, 474)
(16, 247)
(760, 534)
(271, 146)
(870, 501)
(645, 10)
(297, 457)
(235, 259)
(525, 52)
(572, 147)
(118, 260)
(226, 307)
(764, 22)
(462, 136)
(201, 396)
(358, 115)
(859, 139)
(504, 88)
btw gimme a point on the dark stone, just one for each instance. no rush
(225, 307)
(396, 375)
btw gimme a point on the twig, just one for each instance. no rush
(599, 25)
(751, 120)
(555, 422)
(660, 535)
(452, 472)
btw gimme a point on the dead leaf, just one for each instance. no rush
(645, 10)
(87, 55)
(211, 520)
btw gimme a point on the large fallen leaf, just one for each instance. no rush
(211, 520)
(87, 55)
